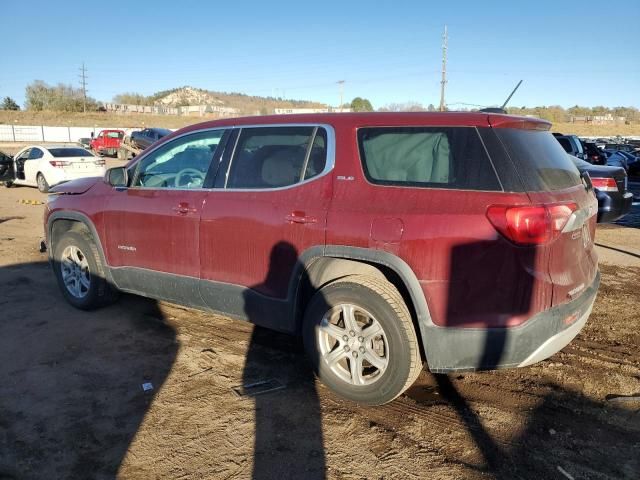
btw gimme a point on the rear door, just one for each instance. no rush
(271, 206)
(550, 177)
(152, 227)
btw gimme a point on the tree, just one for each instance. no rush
(9, 104)
(62, 98)
(132, 98)
(431, 108)
(359, 104)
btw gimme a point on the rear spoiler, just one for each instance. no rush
(523, 123)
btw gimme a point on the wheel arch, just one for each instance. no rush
(60, 222)
(319, 266)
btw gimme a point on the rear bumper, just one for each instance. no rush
(612, 206)
(465, 349)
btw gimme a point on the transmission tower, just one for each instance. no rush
(443, 82)
(83, 84)
(341, 83)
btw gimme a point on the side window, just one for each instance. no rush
(24, 155)
(35, 154)
(317, 156)
(272, 157)
(436, 157)
(182, 163)
(565, 144)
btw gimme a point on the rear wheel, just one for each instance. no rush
(80, 272)
(43, 186)
(360, 339)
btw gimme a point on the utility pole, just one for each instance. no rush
(83, 84)
(341, 83)
(443, 82)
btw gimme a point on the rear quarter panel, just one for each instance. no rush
(470, 275)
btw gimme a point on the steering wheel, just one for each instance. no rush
(192, 175)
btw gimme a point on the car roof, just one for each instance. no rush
(380, 119)
(47, 146)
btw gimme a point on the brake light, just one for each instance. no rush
(59, 163)
(530, 225)
(605, 184)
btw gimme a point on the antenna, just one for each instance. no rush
(509, 97)
(443, 82)
(83, 84)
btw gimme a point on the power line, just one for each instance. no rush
(443, 82)
(83, 84)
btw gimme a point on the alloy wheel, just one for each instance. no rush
(353, 344)
(75, 271)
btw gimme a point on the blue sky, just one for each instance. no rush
(567, 52)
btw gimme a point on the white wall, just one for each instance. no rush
(38, 133)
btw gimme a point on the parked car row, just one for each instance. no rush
(625, 154)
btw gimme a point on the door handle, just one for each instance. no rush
(183, 208)
(300, 217)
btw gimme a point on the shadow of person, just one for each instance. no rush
(71, 396)
(585, 438)
(288, 427)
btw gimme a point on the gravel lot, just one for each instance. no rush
(72, 405)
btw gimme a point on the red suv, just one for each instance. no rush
(463, 240)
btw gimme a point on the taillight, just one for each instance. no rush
(605, 184)
(530, 225)
(59, 163)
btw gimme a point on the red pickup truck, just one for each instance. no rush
(107, 142)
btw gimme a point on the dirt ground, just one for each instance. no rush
(72, 403)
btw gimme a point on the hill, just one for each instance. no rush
(244, 104)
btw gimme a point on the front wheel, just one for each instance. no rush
(43, 186)
(80, 272)
(360, 339)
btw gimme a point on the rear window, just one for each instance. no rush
(541, 161)
(437, 157)
(69, 152)
(115, 134)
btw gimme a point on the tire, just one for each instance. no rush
(43, 186)
(92, 290)
(395, 350)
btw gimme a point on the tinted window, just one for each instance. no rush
(439, 157)
(566, 144)
(272, 157)
(115, 134)
(35, 154)
(318, 155)
(69, 152)
(181, 163)
(541, 161)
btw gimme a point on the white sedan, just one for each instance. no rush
(43, 166)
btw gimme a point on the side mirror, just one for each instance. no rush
(117, 177)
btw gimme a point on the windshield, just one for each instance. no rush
(69, 152)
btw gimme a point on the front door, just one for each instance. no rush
(270, 207)
(152, 227)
